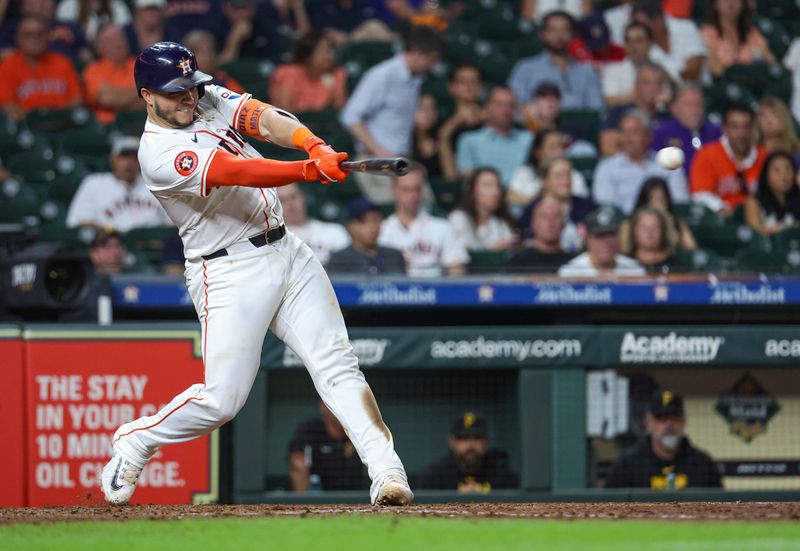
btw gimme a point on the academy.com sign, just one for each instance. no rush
(519, 350)
(670, 348)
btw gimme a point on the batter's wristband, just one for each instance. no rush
(300, 136)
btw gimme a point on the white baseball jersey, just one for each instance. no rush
(103, 200)
(324, 238)
(175, 162)
(428, 244)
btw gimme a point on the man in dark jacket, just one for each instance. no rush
(470, 466)
(664, 459)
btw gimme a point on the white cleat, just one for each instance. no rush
(394, 491)
(119, 480)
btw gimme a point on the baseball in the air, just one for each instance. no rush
(670, 157)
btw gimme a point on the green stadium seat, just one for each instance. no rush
(494, 64)
(90, 143)
(721, 93)
(19, 202)
(760, 79)
(130, 123)
(788, 239)
(16, 138)
(699, 260)
(57, 120)
(697, 215)
(252, 74)
(585, 165)
(759, 259)
(484, 262)
(728, 239)
(365, 53)
(147, 244)
(776, 34)
(581, 123)
(446, 192)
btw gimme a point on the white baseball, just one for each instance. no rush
(670, 157)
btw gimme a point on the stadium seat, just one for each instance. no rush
(759, 259)
(365, 53)
(721, 93)
(586, 166)
(484, 262)
(776, 34)
(788, 239)
(89, 143)
(19, 202)
(252, 74)
(147, 244)
(697, 215)
(16, 138)
(446, 192)
(130, 123)
(581, 123)
(699, 260)
(728, 239)
(760, 79)
(57, 120)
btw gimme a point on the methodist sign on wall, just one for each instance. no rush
(81, 385)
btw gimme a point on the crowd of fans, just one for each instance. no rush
(539, 186)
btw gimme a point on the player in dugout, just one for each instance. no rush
(664, 459)
(245, 272)
(471, 466)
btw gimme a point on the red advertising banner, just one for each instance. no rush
(82, 385)
(12, 412)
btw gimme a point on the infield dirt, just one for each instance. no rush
(673, 511)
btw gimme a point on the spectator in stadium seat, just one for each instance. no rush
(204, 46)
(64, 37)
(652, 240)
(365, 255)
(525, 182)
(617, 179)
(481, 220)
(544, 109)
(618, 77)
(652, 93)
(497, 144)
(324, 238)
(593, 44)
(578, 82)
(725, 172)
(542, 253)
(253, 30)
(108, 82)
(319, 448)
(91, 15)
(380, 111)
(677, 46)
(147, 26)
(471, 466)
(429, 244)
(556, 175)
(425, 143)
(602, 257)
(730, 37)
(655, 194)
(311, 82)
(688, 127)
(465, 87)
(108, 252)
(664, 459)
(117, 199)
(35, 78)
(776, 203)
(775, 130)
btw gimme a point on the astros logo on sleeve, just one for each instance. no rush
(186, 162)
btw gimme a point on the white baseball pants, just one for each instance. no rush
(283, 287)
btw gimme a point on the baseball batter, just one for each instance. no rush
(244, 272)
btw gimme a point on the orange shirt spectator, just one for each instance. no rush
(103, 73)
(110, 87)
(682, 9)
(50, 82)
(34, 78)
(311, 82)
(714, 172)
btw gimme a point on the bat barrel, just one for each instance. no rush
(388, 165)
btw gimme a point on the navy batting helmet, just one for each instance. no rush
(168, 67)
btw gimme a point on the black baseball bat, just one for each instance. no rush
(379, 165)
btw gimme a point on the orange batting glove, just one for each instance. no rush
(327, 159)
(326, 169)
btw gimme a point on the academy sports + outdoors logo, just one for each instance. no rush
(186, 162)
(520, 350)
(669, 348)
(782, 348)
(368, 351)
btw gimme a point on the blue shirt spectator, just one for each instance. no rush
(617, 179)
(578, 82)
(380, 112)
(687, 128)
(497, 144)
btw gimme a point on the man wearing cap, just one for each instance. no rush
(470, 467)
(602, 258)
(108, 252)
(364, 255)
(664, 459)
(119, 198)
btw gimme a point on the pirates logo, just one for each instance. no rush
(186, 66)
(186, 162)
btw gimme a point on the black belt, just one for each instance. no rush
(259, 240)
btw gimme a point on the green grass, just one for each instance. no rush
(408, 534)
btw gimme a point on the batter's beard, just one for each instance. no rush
(171, 120)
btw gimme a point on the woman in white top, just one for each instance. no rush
(93, 14)
(525, 183)
(482, 220)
